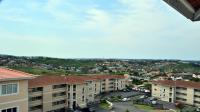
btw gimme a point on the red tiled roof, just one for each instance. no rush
(195, 4)
(178, 83)
(9, 74)
(45, 80)
(50, 80)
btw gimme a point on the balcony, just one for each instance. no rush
(36, 93)
(35, 103)
(55, 107)
(181, 91)
(59, 97)
(38, 110)
(197, 93)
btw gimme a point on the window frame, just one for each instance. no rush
(18, 109)
(17, 83)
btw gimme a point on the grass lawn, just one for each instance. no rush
(149, 108)
(104, 105)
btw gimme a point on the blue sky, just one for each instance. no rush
(138, 29)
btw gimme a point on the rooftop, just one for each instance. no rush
(9, 74)
(51, 80)
(178, 83)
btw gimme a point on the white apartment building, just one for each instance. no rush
(57, 93)
(186, 92)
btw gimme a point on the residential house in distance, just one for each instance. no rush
(186, 92)
(13, 90)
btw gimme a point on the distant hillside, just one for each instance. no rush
(56, 66)
(45, 65)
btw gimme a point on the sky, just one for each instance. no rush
(134, 29)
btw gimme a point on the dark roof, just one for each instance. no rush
(51, 80)
(178, 83)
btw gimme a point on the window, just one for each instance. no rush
(181, 88)
(83, 98)
(59, 102)
(59, 86)
(59, 94)
(68, 87)
(83, 91)
(196, 96)
(10, 110)
(179, 93)
(8, 89)
(196, 90)
(38, 89)
(197, 102)
(35, 98)
(181, 99)
(74, 95)
(74, 87)
(68, 95)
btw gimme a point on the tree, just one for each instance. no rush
(137, 82)
(127, 110)
(147, 86)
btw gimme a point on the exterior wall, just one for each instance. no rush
(19, 100)
(121, 84)
(97, 87)
(179, 94)
(47, 98)
(155, 90)
(90, 91)
(190, 96)
(197, 97)
(161, 92)
(80, 96)
(165, 93)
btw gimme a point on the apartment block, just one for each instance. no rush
(57, 93)
(186, 92)
(13, 90)
(21, 92)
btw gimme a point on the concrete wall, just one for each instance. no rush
(18, 100)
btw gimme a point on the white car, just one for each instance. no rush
(126, 99)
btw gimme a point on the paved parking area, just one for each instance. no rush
(121, 107)
(123, 94)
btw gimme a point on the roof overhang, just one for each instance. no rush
(16, 79)
(189, 8)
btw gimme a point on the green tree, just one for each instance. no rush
(127, 110)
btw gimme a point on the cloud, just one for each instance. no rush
(130, 29)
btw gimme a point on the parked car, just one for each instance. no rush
(126, 99)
